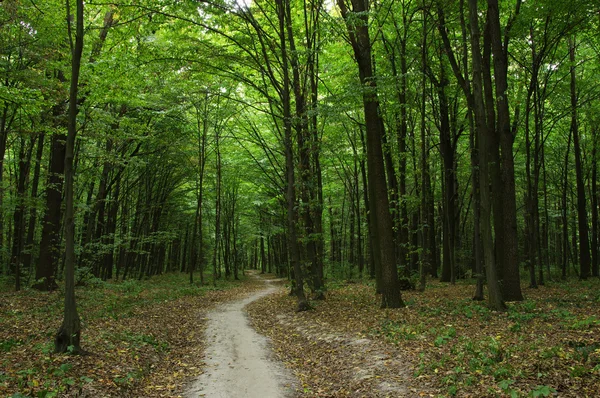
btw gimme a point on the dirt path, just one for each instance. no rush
(239, 362)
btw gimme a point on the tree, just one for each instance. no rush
(67, 338)
(356, 20)
(584, 249)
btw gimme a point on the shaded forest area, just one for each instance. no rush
(396, 143)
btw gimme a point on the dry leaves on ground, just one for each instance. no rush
(143, 339)
(441, 344)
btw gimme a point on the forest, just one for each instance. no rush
(437, 157)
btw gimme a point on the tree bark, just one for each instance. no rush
(33, 210)
(293, 244)
(495, 299)
(25, 153)
(68, 336)
(584, 248)
(511, 282)
(50, 242)
(595, 194)
(361, 45)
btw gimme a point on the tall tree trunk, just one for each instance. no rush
(215, 259)
(361, 44)
(564, 212)
(511, 282)
(50, 242)
(198, 248)
(293, 243)
(68, 336)
(33, 209)
(25, 153)
(448, 152)
(100, 206)
(426, 252)
(584, 249)
(477, 244)
(305, 171)
(5, 121)
(595, 194)
(529, 198)
(373, 257)
(495, 294)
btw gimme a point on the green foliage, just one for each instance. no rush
(9, 344)
(470, 309)
(586, 323)
(542, 391)
(444, 336)
(61, 370)
(127, 380)
(138, 339)
(85, 277)
(394, 331)
(505, 386)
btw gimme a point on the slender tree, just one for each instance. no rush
(357, 23)
(67, 338)
(584, 248)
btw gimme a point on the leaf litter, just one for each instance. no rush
(148, 341)
(141, 339)
(441, 344)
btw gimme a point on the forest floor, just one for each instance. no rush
(442, 344)
(148, 339)
(142, 338)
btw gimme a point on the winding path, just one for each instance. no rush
(239, 362)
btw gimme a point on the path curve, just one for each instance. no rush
(239, 362)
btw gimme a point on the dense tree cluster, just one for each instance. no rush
(400, 139)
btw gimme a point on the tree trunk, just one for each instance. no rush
(595, 194)
(50, 242)
(426, 247)
(511, 282)
(361, 44)
(68, 336)
(483, 134)
(5, 122)
(25, 153)
(584, 249)
(33, 210)
(293, 243)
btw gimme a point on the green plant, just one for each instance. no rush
(131, 286)
(7, 345)
(585, 323)
(502, 372)
(547, 353)
(542, 391)
(445, 337)
(139, 339)
(578, 371)
(395, 331)
(85, 277)
(515, 327)
(61, 370)
(505, 386)
(127, 380)
(421, 367)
